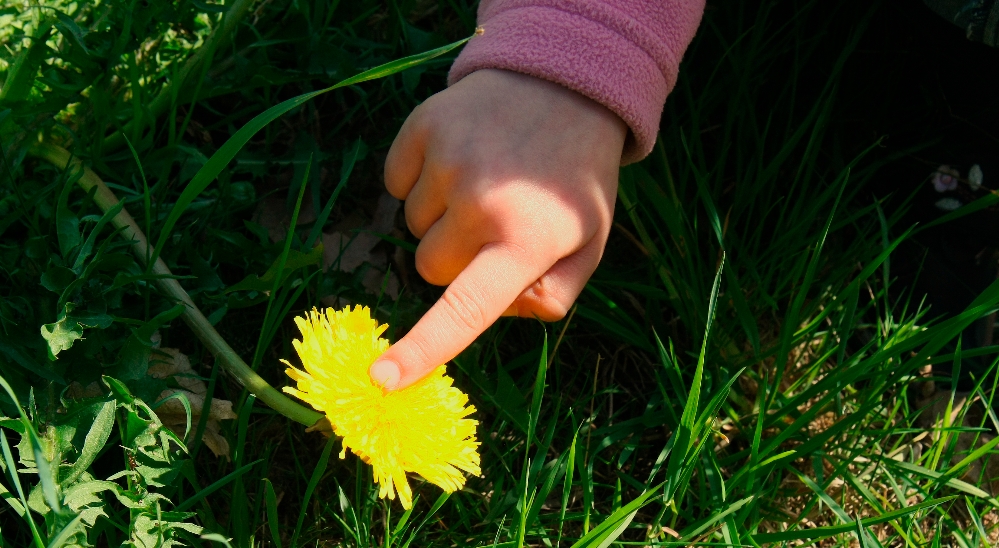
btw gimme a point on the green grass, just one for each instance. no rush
(742, 370)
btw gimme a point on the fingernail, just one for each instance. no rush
(385, 373)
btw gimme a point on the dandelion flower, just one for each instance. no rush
(423, 428)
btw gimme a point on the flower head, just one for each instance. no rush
(945, 179)
(422, 428)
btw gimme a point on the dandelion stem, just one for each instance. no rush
(192, 316)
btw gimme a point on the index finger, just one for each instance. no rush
(473, 301)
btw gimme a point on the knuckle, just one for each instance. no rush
(522, 252)
(420, 110)
(451, 165)
(465, 308)
(394, 186)
(422, 115)
(429, 267)
(516, 251)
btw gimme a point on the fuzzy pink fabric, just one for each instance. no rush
(624, 54)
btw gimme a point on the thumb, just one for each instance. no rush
(473, 301)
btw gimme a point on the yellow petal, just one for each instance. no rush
(423, 428)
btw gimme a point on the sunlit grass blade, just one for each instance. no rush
(570, 468)
(22, 508)
(697, 528)
(818, 533)
(607, 531)
(689, 428)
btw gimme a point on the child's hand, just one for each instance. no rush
(510, 183)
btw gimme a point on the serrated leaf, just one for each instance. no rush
(150, 531)
(83, 498)
(96, 437)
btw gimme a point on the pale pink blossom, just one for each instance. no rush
(945, 179)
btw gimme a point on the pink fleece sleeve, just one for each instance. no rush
(623, 54)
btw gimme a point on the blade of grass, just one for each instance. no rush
(228, 151)
(273, 524)
(270, 319)
(433, 511)
(570, 464)
(12, 470)
(819, 533)
(610, 529)
(216, 485)
(348, 168)
(688, 429)
(69, 530)
(317, 474)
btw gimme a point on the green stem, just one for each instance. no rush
(230, 22)
(192, 316)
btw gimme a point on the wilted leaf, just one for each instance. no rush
(61, 335)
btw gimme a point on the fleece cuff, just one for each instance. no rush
(582, 54)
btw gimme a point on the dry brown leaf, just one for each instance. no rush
(347, 252)
(77, 391)
(272, 213)
(172, 363)
(167, 363)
